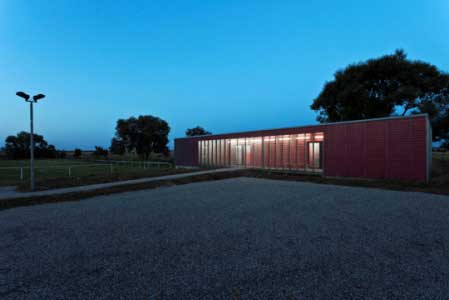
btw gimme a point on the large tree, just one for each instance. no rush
(18, 146)
(144, 135)
(389, 85)
(198, 130)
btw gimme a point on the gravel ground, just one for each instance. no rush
(239, 238)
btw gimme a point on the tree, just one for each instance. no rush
(197, 131)
(144, 135)
(18, 146)
(77, 153)
(100, 151)
(117, 147)
(389, 85)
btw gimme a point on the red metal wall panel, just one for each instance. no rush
(375, 152)
(389, 148)
(186, 152)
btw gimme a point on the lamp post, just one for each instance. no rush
(26, 97)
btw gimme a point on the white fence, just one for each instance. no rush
(143, 164)
(68, 170)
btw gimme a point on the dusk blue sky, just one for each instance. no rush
(225, 65)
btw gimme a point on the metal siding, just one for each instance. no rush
(384, 149)
(186, 152)
(392, 148)
(335, 151)
(301, 152)
(354, 150)
(375, 152)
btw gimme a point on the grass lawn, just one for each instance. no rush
(55, 173)
(438, 185)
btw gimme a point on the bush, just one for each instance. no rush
(100, 152)
(77, 153)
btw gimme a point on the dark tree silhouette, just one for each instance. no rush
(389, 85)
(144, 135)
(117, 147)
(18, 147)
(100, 151)
(77, 153)
(197, 131)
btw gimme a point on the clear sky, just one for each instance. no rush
(225, 65)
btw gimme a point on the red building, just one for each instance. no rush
(384, 148)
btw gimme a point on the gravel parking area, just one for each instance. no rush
(241, 238)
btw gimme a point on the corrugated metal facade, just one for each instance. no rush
(388, 148)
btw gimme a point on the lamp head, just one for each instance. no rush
(38, 97)
(23, 95)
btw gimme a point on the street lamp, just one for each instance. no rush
(34, 100)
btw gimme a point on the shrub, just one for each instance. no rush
(77, 153)
(100, 151)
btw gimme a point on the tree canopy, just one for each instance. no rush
(117, 147)
(198, 130)
(389, 85)
(144, 135)
(18, 147)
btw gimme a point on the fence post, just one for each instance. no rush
(21, 173)
(111, 168)
(70, 172)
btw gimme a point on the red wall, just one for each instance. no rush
(186, 152)
(389, 148)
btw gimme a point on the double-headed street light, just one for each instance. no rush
(31, 101)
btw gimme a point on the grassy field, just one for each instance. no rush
(441, 155)
(438, 185)
(55, 174)
(63, 173)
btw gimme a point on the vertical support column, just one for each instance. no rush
(230, 152)
(305, 151)
(217, 149)
(216, 152)
(31, 147)
(208, 153)
(262, 154)
(222, 161)
(281, 150)
(244, 152)
(269, 153)
(289, 151)
(199, 154)
(275, 153)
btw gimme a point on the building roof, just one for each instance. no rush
(313, 127)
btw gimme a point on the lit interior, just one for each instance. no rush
(296, 151)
